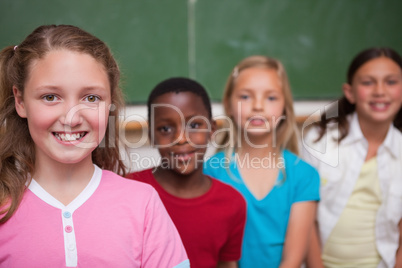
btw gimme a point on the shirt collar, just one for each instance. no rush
(355, 133)
(78, 201)
(391, 142)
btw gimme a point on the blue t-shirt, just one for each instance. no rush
(267, 219)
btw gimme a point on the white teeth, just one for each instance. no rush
(380, 105)
(69, 137)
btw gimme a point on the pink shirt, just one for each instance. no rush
(114, 222)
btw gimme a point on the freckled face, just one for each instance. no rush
(257, 102)
(65, 100)
(180, 129)
(376, 90)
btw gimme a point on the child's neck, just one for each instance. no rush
(260, 146)
(64, 181)
(375, 135)
(259, 167)
(183, 185)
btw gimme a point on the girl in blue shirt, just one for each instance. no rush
(259, 159)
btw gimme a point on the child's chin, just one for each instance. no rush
(184, 170)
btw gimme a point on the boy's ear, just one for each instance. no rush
(348, 91)
(149, 135)
(19, 102)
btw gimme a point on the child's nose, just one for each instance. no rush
(379, 89)
(181, 136)
(258, 104)
(72, 114)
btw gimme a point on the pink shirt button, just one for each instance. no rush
(68, 229)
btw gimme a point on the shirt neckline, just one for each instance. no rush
(234, 169)
(355, 134)
(88, 191)
(180, 199)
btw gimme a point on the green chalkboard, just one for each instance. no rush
(203, 39)
(147, 37)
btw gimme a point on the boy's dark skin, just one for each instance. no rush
(182, 136)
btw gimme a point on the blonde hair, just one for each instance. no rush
(286, 131)
(17, 151)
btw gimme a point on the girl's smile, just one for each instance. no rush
(379, 106)
(65, 100)
(69, 137)
(181, 134)
(376, 90)
(183, 156)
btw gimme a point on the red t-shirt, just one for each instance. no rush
(211, 226)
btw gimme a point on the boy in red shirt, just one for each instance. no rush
(208, 214)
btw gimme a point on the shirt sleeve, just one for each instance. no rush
(162, 244)
(216, 166)
(308, 184)
(231, 251)
(208, 168)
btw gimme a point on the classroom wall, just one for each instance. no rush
(204, 39)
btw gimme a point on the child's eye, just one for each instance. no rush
(244, 97)
(272, 98)
(50, 98)
(194, 125)
(392, 82)
(367, 83)
(165, 129)
(92, 98)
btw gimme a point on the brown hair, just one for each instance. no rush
(287, 130)
(343, 107)
(17, 151)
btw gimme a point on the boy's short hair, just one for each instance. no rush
(177, 85)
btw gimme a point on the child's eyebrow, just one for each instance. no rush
(95, 87)
(162, 120)
(197, 116)
(395, 75)
(365, 76)
(46, 87)
(271, 91)
(245, 89)
(268, 90)
(374, 76)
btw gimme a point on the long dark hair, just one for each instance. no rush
(344, 106)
